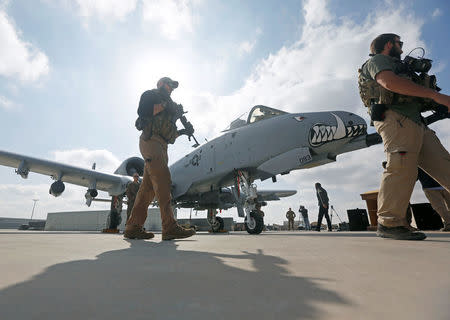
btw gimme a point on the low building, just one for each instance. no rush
(15, 223)
(95, 220)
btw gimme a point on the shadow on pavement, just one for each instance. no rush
(151, 280)
(352, 234)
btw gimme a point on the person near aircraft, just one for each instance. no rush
(157, 116)
(290, 215)
(439, 197)
(395, 98)
(322, 198)
(132, 190)
(304, 213)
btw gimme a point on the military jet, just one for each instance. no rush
(220, 174)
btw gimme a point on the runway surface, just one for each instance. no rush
(275, 275)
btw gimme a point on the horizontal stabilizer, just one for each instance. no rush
(272, 195)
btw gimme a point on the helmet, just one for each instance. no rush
(166, 80)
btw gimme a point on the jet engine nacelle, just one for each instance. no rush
(57, 188)
(130, 166)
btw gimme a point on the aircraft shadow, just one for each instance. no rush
(151, 280)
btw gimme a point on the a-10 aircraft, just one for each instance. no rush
(220, 174)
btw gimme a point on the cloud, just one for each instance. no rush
(436, 13)
(246, 47)
(316, 13)
(318, 72)
(19, 59)
(6, 103)
(172, 17)
(105, 160)
(106, 9)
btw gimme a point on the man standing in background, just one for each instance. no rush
(290, 215)
(322, 198)
(304, 212)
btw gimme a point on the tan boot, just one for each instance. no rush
(137, 232)
(177, 232)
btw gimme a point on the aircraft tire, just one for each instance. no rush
(258, 225)
(218, 225)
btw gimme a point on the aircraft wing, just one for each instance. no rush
(111, 183)
(271, 195)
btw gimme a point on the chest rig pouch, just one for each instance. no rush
(161, 124)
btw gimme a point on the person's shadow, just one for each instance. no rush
(151, 280)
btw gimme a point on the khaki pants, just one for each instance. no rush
(407, 145)
(156, 182)
(440, 201)
(130, 206)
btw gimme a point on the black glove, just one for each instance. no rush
(189, 129)
(189, 132)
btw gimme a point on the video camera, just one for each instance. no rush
(418, 64)
(418, 68)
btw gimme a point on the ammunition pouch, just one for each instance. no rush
(162, 124)
(377, 112)
(372, 93)
(141, 123)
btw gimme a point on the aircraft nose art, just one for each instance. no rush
(321, 133)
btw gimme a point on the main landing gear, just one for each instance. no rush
(255, 223)
(247, 198)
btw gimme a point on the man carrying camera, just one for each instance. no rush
(396, 102)
(157, 116)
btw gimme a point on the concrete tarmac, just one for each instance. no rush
(275, 275)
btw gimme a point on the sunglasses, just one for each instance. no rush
(400, 43)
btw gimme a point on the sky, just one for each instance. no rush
(72, 72)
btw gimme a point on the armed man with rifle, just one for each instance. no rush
(396, 92)
(157, 120)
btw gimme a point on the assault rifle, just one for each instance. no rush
(188, 128)
(440, 112)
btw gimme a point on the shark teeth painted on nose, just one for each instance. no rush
(353, 131)
(320, 133)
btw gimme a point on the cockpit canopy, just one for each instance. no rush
(257, 113)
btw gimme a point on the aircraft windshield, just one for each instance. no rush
(259, 113)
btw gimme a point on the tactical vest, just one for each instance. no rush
(163, 125)
(373, 93)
